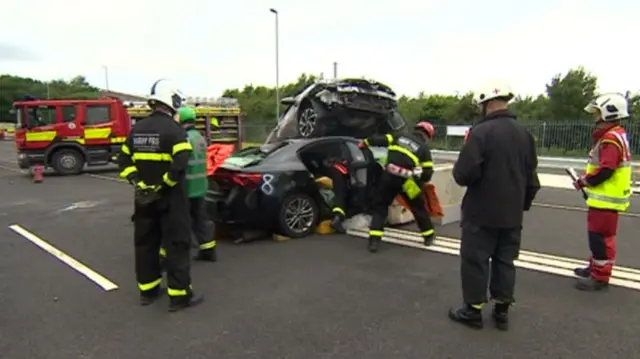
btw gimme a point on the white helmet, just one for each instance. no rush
(612, 106)
(493, 90)
(164, 92)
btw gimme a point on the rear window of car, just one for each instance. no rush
(253, 155)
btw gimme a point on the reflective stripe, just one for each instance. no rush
(601, 262)
(118, 139)
(338, 210)
(151, 156)
(374, 233)
(177, 292)
(96, 133)
(125, 149)
(44, 136)
(208, 245)
(201, 161)
(168, 180)
(428, 233)
(426, 164)
(389, 139)
(149, 286)
(407, 153)
(163, 252)
(128, 171)
(196, 176)
(477, 306)
(182, 146)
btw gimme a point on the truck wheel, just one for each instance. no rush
(67, 161)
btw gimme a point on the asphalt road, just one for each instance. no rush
(317, 297)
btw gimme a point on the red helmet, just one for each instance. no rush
(426, 127)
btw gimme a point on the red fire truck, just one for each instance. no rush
(66, 135)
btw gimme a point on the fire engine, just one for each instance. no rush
(68, 135)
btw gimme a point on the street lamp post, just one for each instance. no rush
(275, 12)
(106, 77)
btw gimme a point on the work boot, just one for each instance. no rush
(591, 284)
(467, 315)
(584, 272)
(150, 296)
(207, 255)
(184, 302)
(374, 244)
(336, 224)
(428, 240)
(500, 316)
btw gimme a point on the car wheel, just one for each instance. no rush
(308, 124)
(298, 215)
(67, 161)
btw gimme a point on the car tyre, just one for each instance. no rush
(67, 161)
(298, 215)
(309, 125)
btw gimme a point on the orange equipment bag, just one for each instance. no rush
(216, 154)
(431, 202)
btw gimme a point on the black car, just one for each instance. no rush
(273, 187)
(339, 107)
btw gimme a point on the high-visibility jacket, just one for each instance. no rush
(615, 192)
(197, 183)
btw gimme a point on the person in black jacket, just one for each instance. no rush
(409, 165)
(497, 164)
(153, 159)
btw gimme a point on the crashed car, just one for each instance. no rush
(275, 187)
(339, 107)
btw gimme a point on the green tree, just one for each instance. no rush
(13, 88)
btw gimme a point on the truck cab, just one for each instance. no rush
(66, 135)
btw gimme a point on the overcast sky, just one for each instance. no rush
(434, 46)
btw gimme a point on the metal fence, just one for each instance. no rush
(552, 139)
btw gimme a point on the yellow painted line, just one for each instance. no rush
(625, 278)
(79, 267)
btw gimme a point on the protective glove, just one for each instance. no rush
(145, 194)
(580, 183)
(417, 172)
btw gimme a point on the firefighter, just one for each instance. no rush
(409, 165)
(197, 185)
(607, 183)
(337, 170)
(497, 164)
(153, 159)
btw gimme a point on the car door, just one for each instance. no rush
(357, 165)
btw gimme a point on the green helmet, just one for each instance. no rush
(186, 114)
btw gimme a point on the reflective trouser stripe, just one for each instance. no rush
(338, 210)
(208, 245)
(149, 286)
(374, 233)
(601, 262)
(428, 233)
(163, 252)
(178, 292)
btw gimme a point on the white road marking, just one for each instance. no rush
(546, 263)
(98, 279)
